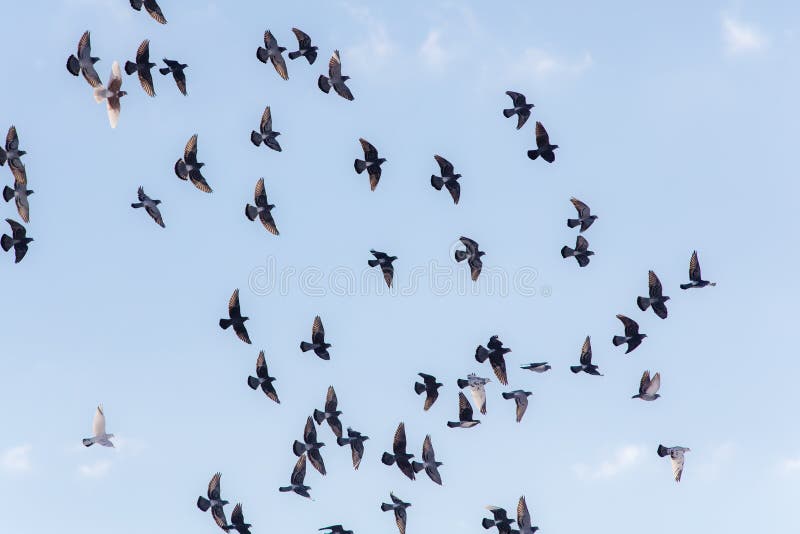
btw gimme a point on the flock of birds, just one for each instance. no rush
(309, 449)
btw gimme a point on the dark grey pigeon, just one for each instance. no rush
(311, 446)
(331, 414)
(586, 364)
(265, 133)
(336, 529)
(657, 300)
(448, 178)
(305, 49)
(142, 66)
(236, 320)
(237, 521)
(648, 388)
(632, 336)
(539, 367)
(581, 251)
(399, 508)
(499, 519)
(12, 154)
(495, 352)
(430, 387)
(335, 78)
(298, 476)
(150, 206)
(214, 501)
(524, 518)
(188, 168)
(695, 277)
(176, 68)
(18, 239)
(472, 255)
(521, 399)
(262, 209)
(585, 217)
(521, 108)
(371, 163)
(262, 379)
(676, 455)
(20, 195)
(543, 146)
(317, 344)
(152, 8)
(272, 52)
(356, 441)
(83, 63)
(428, 463)
(385, 262)
(400, 456)
(465, 419)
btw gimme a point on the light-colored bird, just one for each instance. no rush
(477, 389)
(648, 389)
(676, 455)
(111, 94)
(99, 430)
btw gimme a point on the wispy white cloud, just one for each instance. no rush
(432, 52)
(740, 37)
(790, 466)
(541, 64)
(625, 458)
(16, 459)
(98, 469)
(721, 457)
(377, 48)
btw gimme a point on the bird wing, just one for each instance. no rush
(180, 81)
(280, 65)
(654, 284)
(430, 398)
(20, 175)
(331, 402)
(141, 195)
(399, 443)
(583, 209)
(12, 141)
(302, 38)
(394, 499)
(517, 98)
(17, 230)
(472, 247)
(266, 121)
(356, 452)
(315, 457)
(388, 273)
(522, 405)
(523, 515)
(335, 66)
(677, 459)
(260, 195)
(261, 366)
(455, 190)
(479, 396)
(586, 351)
(464, 407)
(85, 46)
(631, 326)
(99, 422)
(214, 487)
(299, 471)
(237, 516)
(498, 363)
(581, 244)
(428, 454)
(22, 205)
(400, 519)
(269, 40)
(155, 11)
(370, 152)
(268, 221)
(542, 139)
(317, 331)
(445, 166)
(494, 341)
(644, 382)
(694, 268)
(115, 81)
(342, 90)
(190, 151)
(143, 52)
(310, 432)
(233, 304)
(654, 385)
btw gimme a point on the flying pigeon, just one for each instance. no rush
(335, 78)
(336, 529)
(648, 389)
(385, 262)
(112, 94)
(676, 455)
(632, 336)
(189, 168)
(495, 354)
(521, 108)
(428, 463)
(399, 508)
(500, 520)
(305, 49)
(657, 300)
(356, 441)
(298, 476)
(176, 68)
(521, 399)
(400, 456)
(265, 133)
(311, 446)
(448, 179)
(236, 320)
(430, 387)
(20, 195)
(695, 278)
(12, 154)
(84, 62)
(150, 206)
(581, 251)
(472, 255)
(237, 521)
(214, 501)
(465, 419)
(331, 414)
(477, 388)
(543, 146)
(585, 217)
(142, 66)
(262, 209)
(371, 163)
(586, 360)
(262, 379)
(99, 434)
(18, 239)
(539, 367)
(317, 344)
(273, 53)
(524, 518)
(152, 7)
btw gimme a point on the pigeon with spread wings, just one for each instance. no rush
(331, 413)
(188, 168)
(99, 434)
(356, 441)
(428, 463)
(150, 205)
(265, 133)
(235, 318)
(520, 399)
(262, 209)
(581, 251)
(371, 163)
(176, 68)
(305, 49)
(695, 276)
(111, 94)
(430, 387)
(477, 387)
(585, 217)
(298, 477)
(83, 63)
(494, 352)
(142, 67)
(632, 336)
(317, 344)
(214, 500)
(586, 364)
(401, 457)
(274, 53)
(472, 255)
(656, 299)
(335, 78)
(385, 262)
(448, 179)
(20, 194)
(521, 108)
(311, 446)
(543, 146)
(152, 8)
(676, 455)
(648, 388)
(262, 379)
(465, 419)
(18, 240)
(399, 508)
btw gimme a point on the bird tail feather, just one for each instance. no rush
(298, 448)
(662, 450)
(462, 383)
(137, 204)
(88, 442)
(130, 67)
(533, 154)
(387, 459)
(360, 165)
(164, 70)
(643, 303)
(618, 340)
(319, 416)
(372, 263)
(305, 347)
(461, 255)
(203, 503)
(261, 54)
(324, 84)
(683, 286)
(295, 55)
(225, 323)
(2, 157)
(285, 489)
(6, 242)
(437, 182)
(8, 193)
(481, 353)
(575, 368)
(572, 223)
(419, 388)
(508, 112)
(251, 212)
(508, 395)
(487, 523)
(566, 252)
(417, 466)
(385, 507)
(453, 424)
(253, 382)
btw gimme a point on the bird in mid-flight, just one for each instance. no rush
(399, 508)
(465, 419)
(521, 108)
(18, 240)
(13, 155)
(152, 7)
(371, 163)
(20, 194)
(83, 63)
(356, 441)
(472, 255)
(695, 277)
(581, 251)
(336, 529)
(331, 414)
(237, 521)
(477, 387)
(648, 388)
(317, 344)
(499, 519)
(430, 387)
(304, 47)
(585, 217)
(632, 336)
(657, 299)
(262, 209)
(176, 68)
(586, 364)
(99, 434)
(539, 367)
(676, 455)
(335, 78)
(428, 463)
(495, 352)
(520, 399)
(142, 66)
(150, 206)
(274, 53)
(311, 446)
(524, 518)
(401, 457)
(298, 477)
(265, 133)
(262, 379)
(448, 179)
(188, 168)
(543, 146)
(235, 318)
(214, 500)
(385, 262)
(111, 94)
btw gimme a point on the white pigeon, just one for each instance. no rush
(111, 94)
(676, 456)
(476, 386)
(99, 430)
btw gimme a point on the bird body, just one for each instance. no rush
(371, 163)
(235, 318)
(305, 49)
(150, 206)
(83, 63)
(176, 68)
(581, 251)
(265, 133)
(18, 240)
(20, 194)
(676, 455)
(188, 168)
(356, 441)
(448, 179)
(400, 456)
(586, 364)
(472, 255)
(477, 389)
(495, 353)
(399, 508)
(695, 276)
(214, 501)
(330, 414)
(273, 53)
(539, 367)
(520, 399)
(465, 419)
(632, 336)
(262, 379)
(311, 446)
(335, 78)
(262, 209)
(142, 67)
(430, 387)
(543, 146)
(524, 518)
(384, 261)
(500, 520)
(111, 94)
(99, 434)
(648, 388)
(317, 344)
(656, 300)
(428, 463)
(585, 217)
(296, 484)
(521, 108)
(152, 8)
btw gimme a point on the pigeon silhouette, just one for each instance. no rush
(214, 501)
(401, 457)
(304, 47)
(176, 68)
(335, 78)
(150, 206)
(586, 364)
(465, 419)
(539, 367)
(385, 262)
(265, 133)
(152, 8)
(311, 446)
(371, 163)
(235, 318)
(657, 300)
(585, 217)
(632, 336)
(331, 414)
(581, 251)
(495, 353)
(695, 277)
(142, 67)
(274, 53)
(448, 179)
(356, 441)
(262, 209)
(472, 255)
(188, 168)
(428, 463)
(521, 399)
(298, 477)
(521, 108)
(430, 387)
(20, 194)
(111, 94)
(543, 146)
(399, 508)
(83, 63)
(262, 379)
(317, 344)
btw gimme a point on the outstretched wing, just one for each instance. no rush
(583, 209)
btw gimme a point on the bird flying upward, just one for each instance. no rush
(111, 94)
(214, 500)
(586, 364)
(188, 168)
(401, 457)
(142, 67)
(465, 419)
(317, 344)
(695, 277)
(262, 379)
(235, 318)
(648, 388)
(543, 146)
(296, 483)
(311, 446)
(262, 209)
(428, 463)
(657, 299)
(99, 434)
(265, 133)
(83, 63)
(331, 413)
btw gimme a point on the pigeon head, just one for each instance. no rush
(589, 253)
(380, 161)
(481, 253)
(156, 202)
(643, 335)
(120, 94)
(21, 153)
(345, 78)
(665, 299)
(282, 49)
(28, 240)
(553, 147)
(245, 319)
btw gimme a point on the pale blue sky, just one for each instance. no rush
(676, 125)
